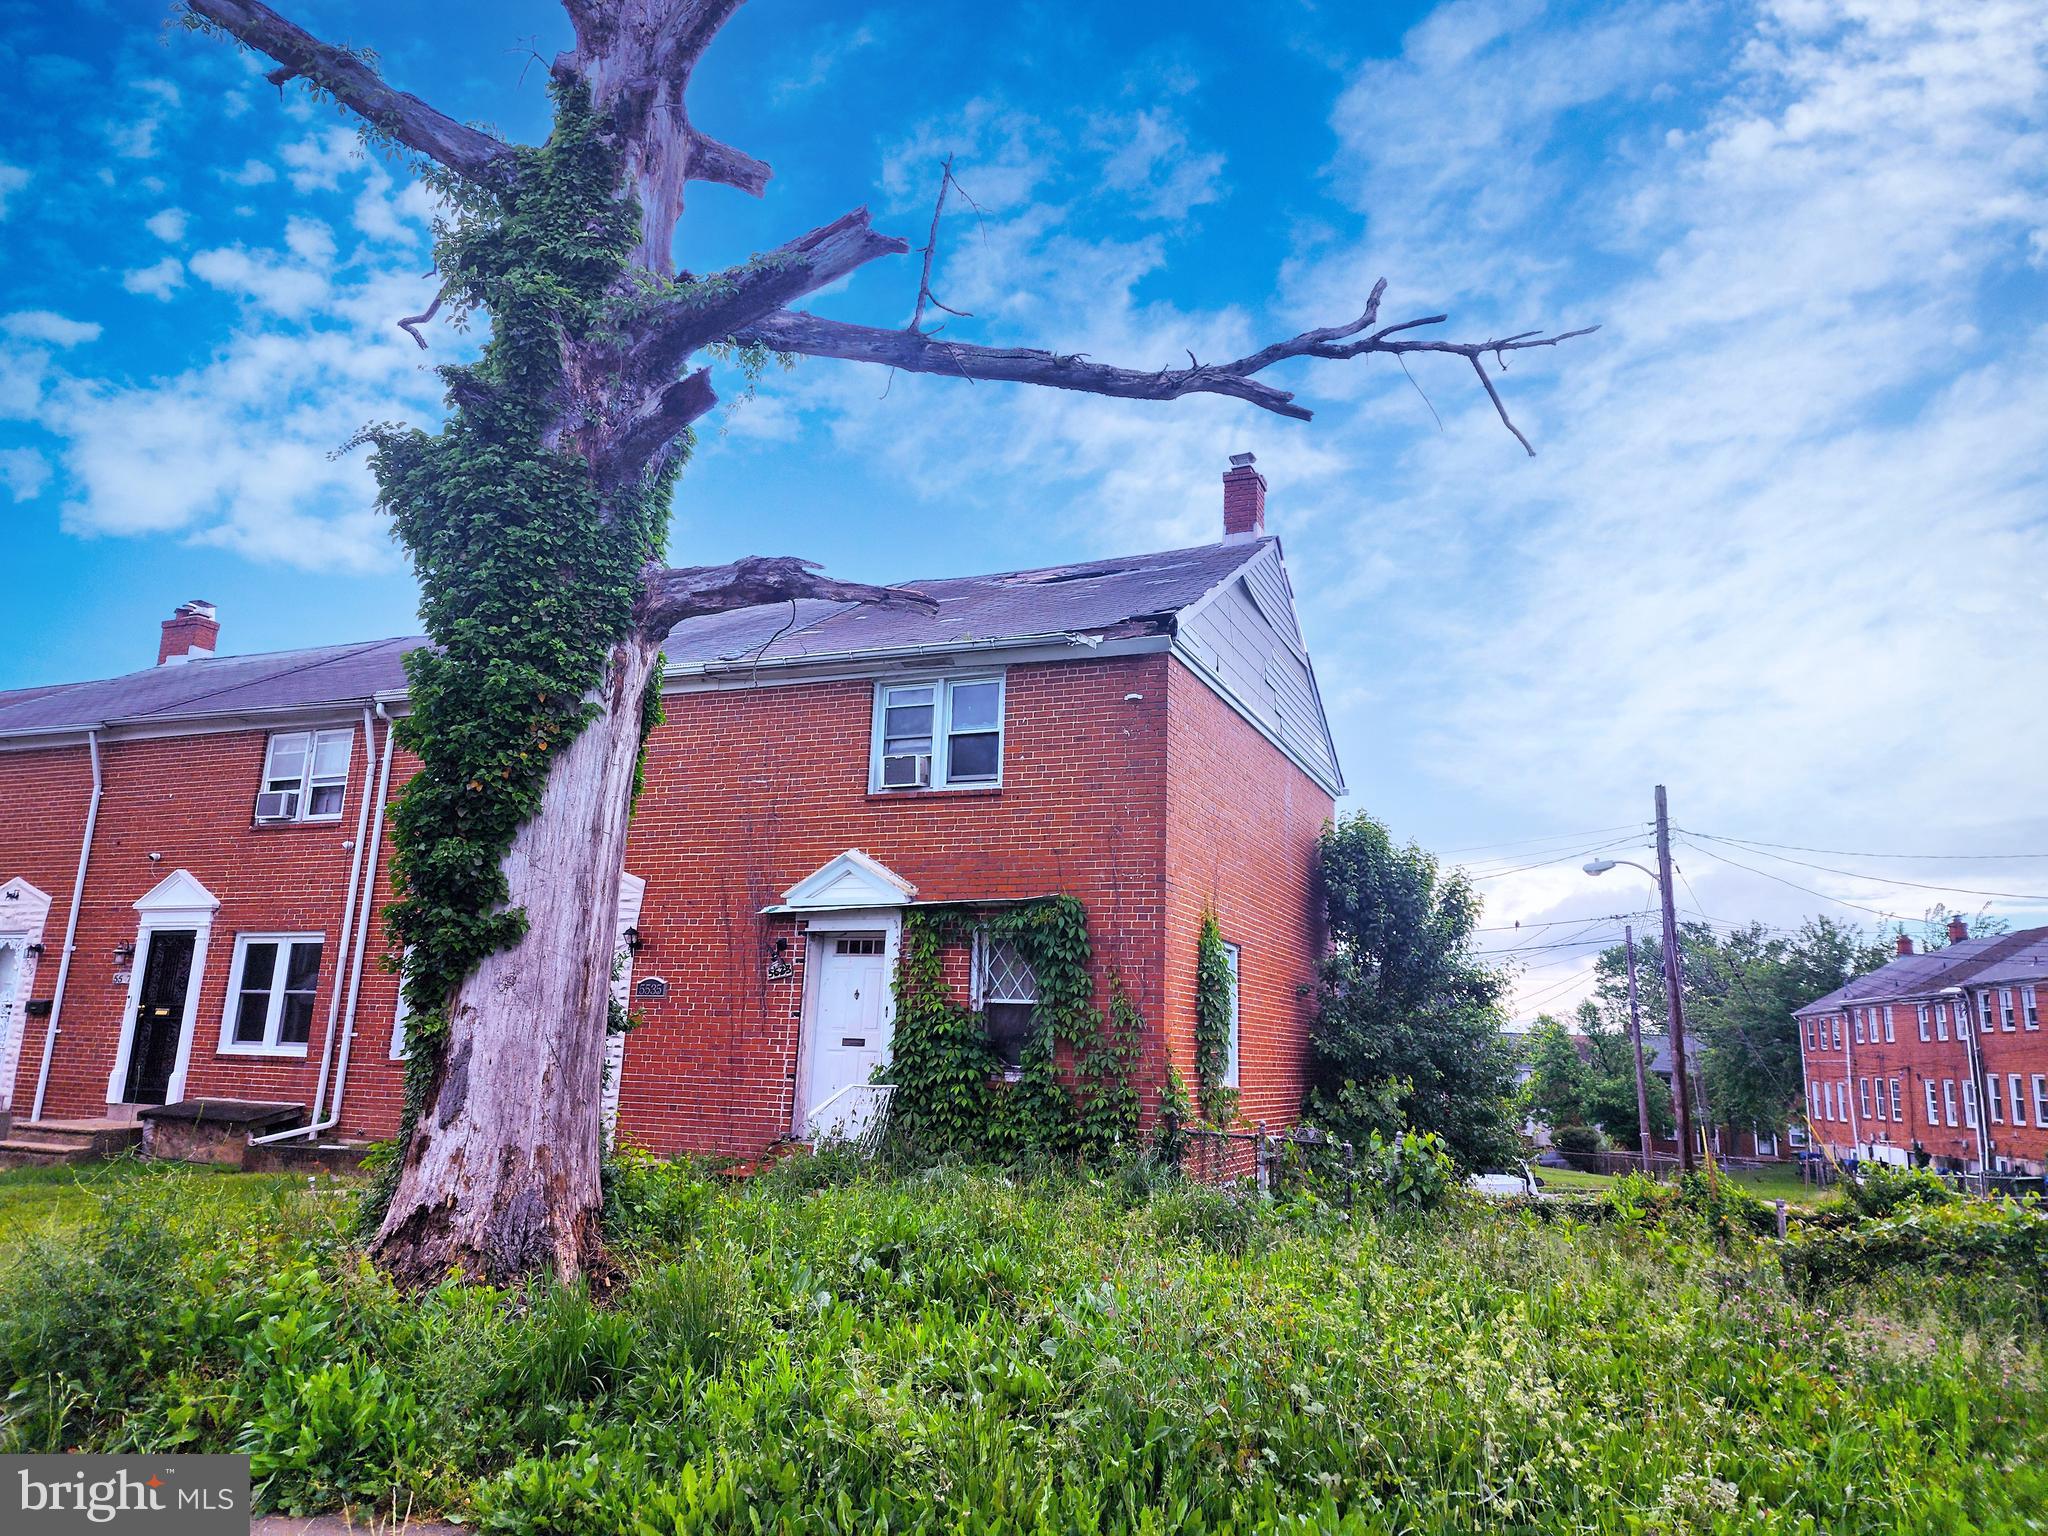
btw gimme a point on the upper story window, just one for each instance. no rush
(1923, 1021)
(943, 734)
(1984, 1013)
(1838, 1031)
(270, 993)
(2005, 1015)
(1941, 1021)
(305, 775)
(1891, 1034)
(2030, 1007)
(1859, 1026)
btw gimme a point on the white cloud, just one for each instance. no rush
(1151, 163)
(134, 136)
(158, 280)
(12, 179)
(834, 47)
(49, 327)
(168, 225)
(235, 452)
(251, 173)
(320, 160)
(24, 472)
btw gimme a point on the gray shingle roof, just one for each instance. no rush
(1135, 594)
(2028, 962)
(1926, 973)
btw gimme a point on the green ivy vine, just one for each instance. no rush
(1213, 988)
(527, 573)
(951, 1097)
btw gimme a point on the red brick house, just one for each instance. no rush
(1937, 1055)
(193, 859)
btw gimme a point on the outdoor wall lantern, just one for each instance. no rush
(633, 940)
(36, 949)
(123, 953)
(779, 968)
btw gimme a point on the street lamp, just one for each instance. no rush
(1681, 1093)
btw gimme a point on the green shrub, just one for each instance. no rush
(1412, 1172)
(2000, 1239)
(1882, 1189)
(1580, 1145)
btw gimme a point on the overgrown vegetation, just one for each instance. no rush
(1407, 1033)
(1073, 1095)
(826, 1350)
(1214, 1004)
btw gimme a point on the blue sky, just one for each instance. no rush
(1784, 546)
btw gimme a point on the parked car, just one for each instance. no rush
(1515, 1181)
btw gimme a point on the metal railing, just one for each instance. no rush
(856, 1113)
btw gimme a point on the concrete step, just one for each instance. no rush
(71, 1141)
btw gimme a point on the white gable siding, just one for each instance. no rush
(1244, 638)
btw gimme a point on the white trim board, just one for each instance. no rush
(174, 902)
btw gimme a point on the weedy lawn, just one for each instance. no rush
(818, 1350)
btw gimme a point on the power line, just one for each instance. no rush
(1864, 874)
(1852, 853)
(1823, 895)
(1501, 874)
(1556, 922)
(1554, 837)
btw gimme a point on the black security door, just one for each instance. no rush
(159, 1015)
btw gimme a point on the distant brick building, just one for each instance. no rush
(1938, 1056)
(193, 863)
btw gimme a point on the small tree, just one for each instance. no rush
(1559, 1084)
(1408, 1024)
(537, 518)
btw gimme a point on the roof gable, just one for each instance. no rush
(851, 880)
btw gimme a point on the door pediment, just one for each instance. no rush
(23, 908)
(178, 893)
(852, 880)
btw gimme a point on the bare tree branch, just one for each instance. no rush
(466, 151)
(667, 597)
(641, 448)
(411, 323)
(713, 308)
(931, 245)
(712, 161)
(918, 352)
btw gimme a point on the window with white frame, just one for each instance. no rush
(1898, 1102)
(1923, 1021)
(1827, 1101)
(1970, 1105)
(1933, 1108)
(1994, 1100)
(1890, 1033)
(270, 993)
(1813, 1100)
(1812, 1036)
(305, 776)
(945, 733)
(1941, 1021)
(1838, 1031)
(2005, 1014)
(2019, 1100)
(1859, 1026)
(1006, 991)
(1230, 954)
(1863, 1096)
(1983, 1013)
(2030, 1007)
(1948, 1100)
(2041, 1098)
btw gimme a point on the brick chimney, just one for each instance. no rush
(1958, 930)
(1905, 944)
(189, 634)
(1244, 499)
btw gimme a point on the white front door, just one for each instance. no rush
(632, 889)
(848, 1032)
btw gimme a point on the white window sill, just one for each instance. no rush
(247, 1048)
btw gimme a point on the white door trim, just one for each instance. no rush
(24, 911)
(825, 927)
(177, 901)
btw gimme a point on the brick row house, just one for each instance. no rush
(193, 858)
(1937, 1057)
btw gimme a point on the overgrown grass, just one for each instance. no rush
(823, 1351)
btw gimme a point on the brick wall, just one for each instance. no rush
(1916, 1063)
(1242, 825)
(748, 792)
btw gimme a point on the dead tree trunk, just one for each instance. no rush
(500, 1177)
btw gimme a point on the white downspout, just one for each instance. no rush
(362, 936)
(348, 910)
(92, 816)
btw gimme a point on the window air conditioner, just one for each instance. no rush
(907, 770)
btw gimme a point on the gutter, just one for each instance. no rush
(368, 888)
(92, 816)
(872, 654)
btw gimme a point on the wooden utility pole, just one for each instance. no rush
(1635, 1040)
(1681, 1092)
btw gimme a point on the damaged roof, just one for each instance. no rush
(1137, 594)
